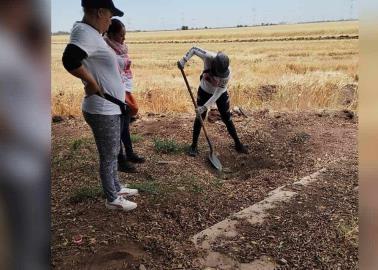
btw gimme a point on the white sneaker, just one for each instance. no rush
(127, 191)
(121, 204)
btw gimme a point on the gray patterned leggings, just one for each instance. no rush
(106, 130)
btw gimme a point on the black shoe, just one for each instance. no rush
(193, 151)
(125, 166)
(240, 148)
(133, 119)
(134, 158)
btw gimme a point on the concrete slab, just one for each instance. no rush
(253, 214)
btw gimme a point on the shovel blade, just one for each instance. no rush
(215, 161)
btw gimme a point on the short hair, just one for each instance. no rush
(90, 11)
(115, 27)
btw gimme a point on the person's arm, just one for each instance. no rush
(201, 53)
(91, 86)
(218, 92)
(72, 58)
(201, 109)
(221, 88)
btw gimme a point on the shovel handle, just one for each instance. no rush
(195, 106)
(189, 89)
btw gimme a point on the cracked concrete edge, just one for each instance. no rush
(305, 181)
(254, 214)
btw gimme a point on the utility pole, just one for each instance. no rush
(253, 16)
(182, 19)
(352, 6)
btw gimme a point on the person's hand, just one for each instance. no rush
(181, 64)
(92, 89)
(200, 110)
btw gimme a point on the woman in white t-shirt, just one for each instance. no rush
(115, 38)
(88, 57)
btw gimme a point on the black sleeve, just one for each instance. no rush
(72, 57)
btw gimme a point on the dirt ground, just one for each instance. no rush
(181, 196)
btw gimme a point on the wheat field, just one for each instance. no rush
(281, 67)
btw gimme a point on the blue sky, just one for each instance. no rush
(172, 14)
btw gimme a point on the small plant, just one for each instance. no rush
(192, 183)
(349, 230)
(86, 193)
(218, 183)
(136, 138)
(197, 188)
(167, 146)
(78, 143)
(147, 187)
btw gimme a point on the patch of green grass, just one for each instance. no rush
(218, 183)
(167, 146)
(349, 230)
(192, 183)
(78, 143)
(136, 138)
(87, 193)
(147, 187)
(196, 188)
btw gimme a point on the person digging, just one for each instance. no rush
(213, 89)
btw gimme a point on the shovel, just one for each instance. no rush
(212, 157)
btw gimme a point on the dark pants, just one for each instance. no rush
(223, 104)
(125, 138)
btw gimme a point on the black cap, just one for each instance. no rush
(220, 65)
(102, 4)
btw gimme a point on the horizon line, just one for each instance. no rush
(61, 32)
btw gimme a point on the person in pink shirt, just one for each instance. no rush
(115, 38)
